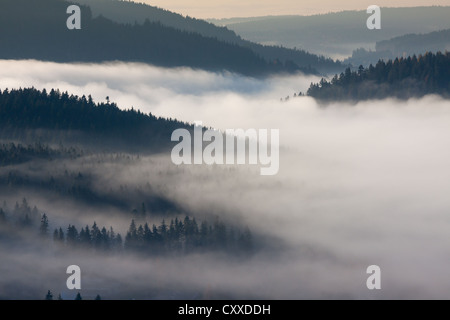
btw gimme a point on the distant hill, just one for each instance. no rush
(416, 43)
(130, 12)
(402, 46)
(338, 34)
(401, 78)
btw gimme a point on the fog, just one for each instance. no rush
(358, 184)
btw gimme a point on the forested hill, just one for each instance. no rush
(37, 30)
(416, 43)
(338, 33)
(130, 12)
(402, 46)
(401, 78)
(33, 116)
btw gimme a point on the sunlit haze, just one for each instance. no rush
(251, 8)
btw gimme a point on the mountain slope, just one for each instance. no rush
(130, 12)
(338, 33)
(402, 46)
(37, 30)
(53, 117)
(400, 78)
(416, 43)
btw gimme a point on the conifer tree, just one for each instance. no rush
(44, 226)
(49, 295)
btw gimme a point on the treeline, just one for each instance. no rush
(188, 236)
(62, 175)
(49, 296)
(11, 153)
(176, 237)
(21, 216)
(37, 30)
(400, 78)
(30, 115)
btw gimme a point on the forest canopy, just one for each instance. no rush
(55, 117)
(401, 78)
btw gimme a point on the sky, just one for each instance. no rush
(250, 8)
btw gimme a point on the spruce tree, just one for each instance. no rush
(44, 226)
(49, 295)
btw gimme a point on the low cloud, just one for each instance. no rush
(358, 184)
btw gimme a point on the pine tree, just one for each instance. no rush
(132, 230)
(147, 234)
(26, 222)
(49, 295)
(78, 297)
(119, 242)
(105, 241)
(85, 236)
(61, 235)
(35, 213)
(131, 237)
(44, 226)
(72, 235)
(55, 236)
(96, 235)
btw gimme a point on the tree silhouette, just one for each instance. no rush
(49, 295)
(401, 78)
(44, 226)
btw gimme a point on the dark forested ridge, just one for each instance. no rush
(130, 12)
(103, 195)
(59, 144)
(30, 116)
(76, 127)
(37, 30)
(401, 78)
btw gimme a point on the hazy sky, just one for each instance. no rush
(250, 8)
